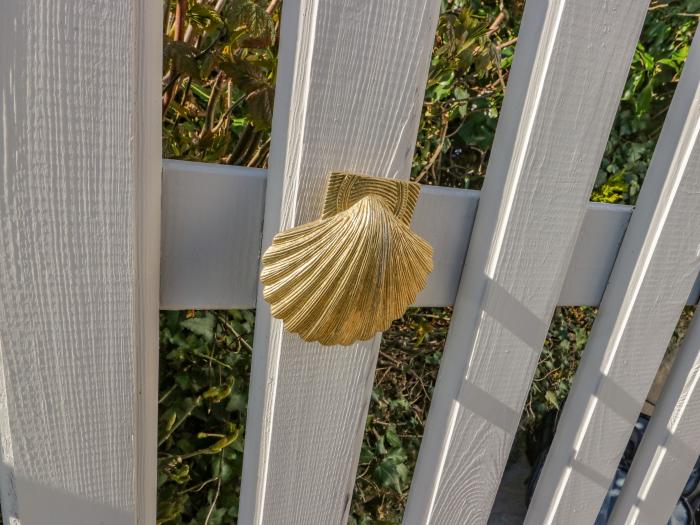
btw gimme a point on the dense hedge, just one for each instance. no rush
(218, 90)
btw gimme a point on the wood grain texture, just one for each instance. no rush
(79, 176)
(657, 265)
(671, 444)
(350, 87)
(212, 224)
(569, 71)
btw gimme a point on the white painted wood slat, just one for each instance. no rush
(350, 87)
(671, 444)
(569, 71)
(79, 243)
(657, 265)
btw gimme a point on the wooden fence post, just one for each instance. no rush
(350, 88)
(79, 245)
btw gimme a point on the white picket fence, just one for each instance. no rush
(80, 245)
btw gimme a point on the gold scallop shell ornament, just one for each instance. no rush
(349, 274)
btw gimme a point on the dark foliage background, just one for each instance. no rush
(218, 90)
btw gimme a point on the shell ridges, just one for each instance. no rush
(348, 275)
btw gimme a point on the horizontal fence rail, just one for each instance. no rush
(212, 224)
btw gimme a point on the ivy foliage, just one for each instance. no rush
(473, 52)
(656, 68)
(204, 372)
(218, 85)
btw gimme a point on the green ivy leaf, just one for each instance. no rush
(252, 23)
(392, 438)
(203, 326)
(551, 398)
(391, 474)
(221, 468)
(204, 18)
(236, 403)
(182, 56)
(259, 104)
(694, 6)
(642, 103)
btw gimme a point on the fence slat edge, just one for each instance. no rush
(147, 23)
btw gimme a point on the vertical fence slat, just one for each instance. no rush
(79, 178)
(671, 444)
(349, 91)
(652, 277)
(148, 40)
(569, 71)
